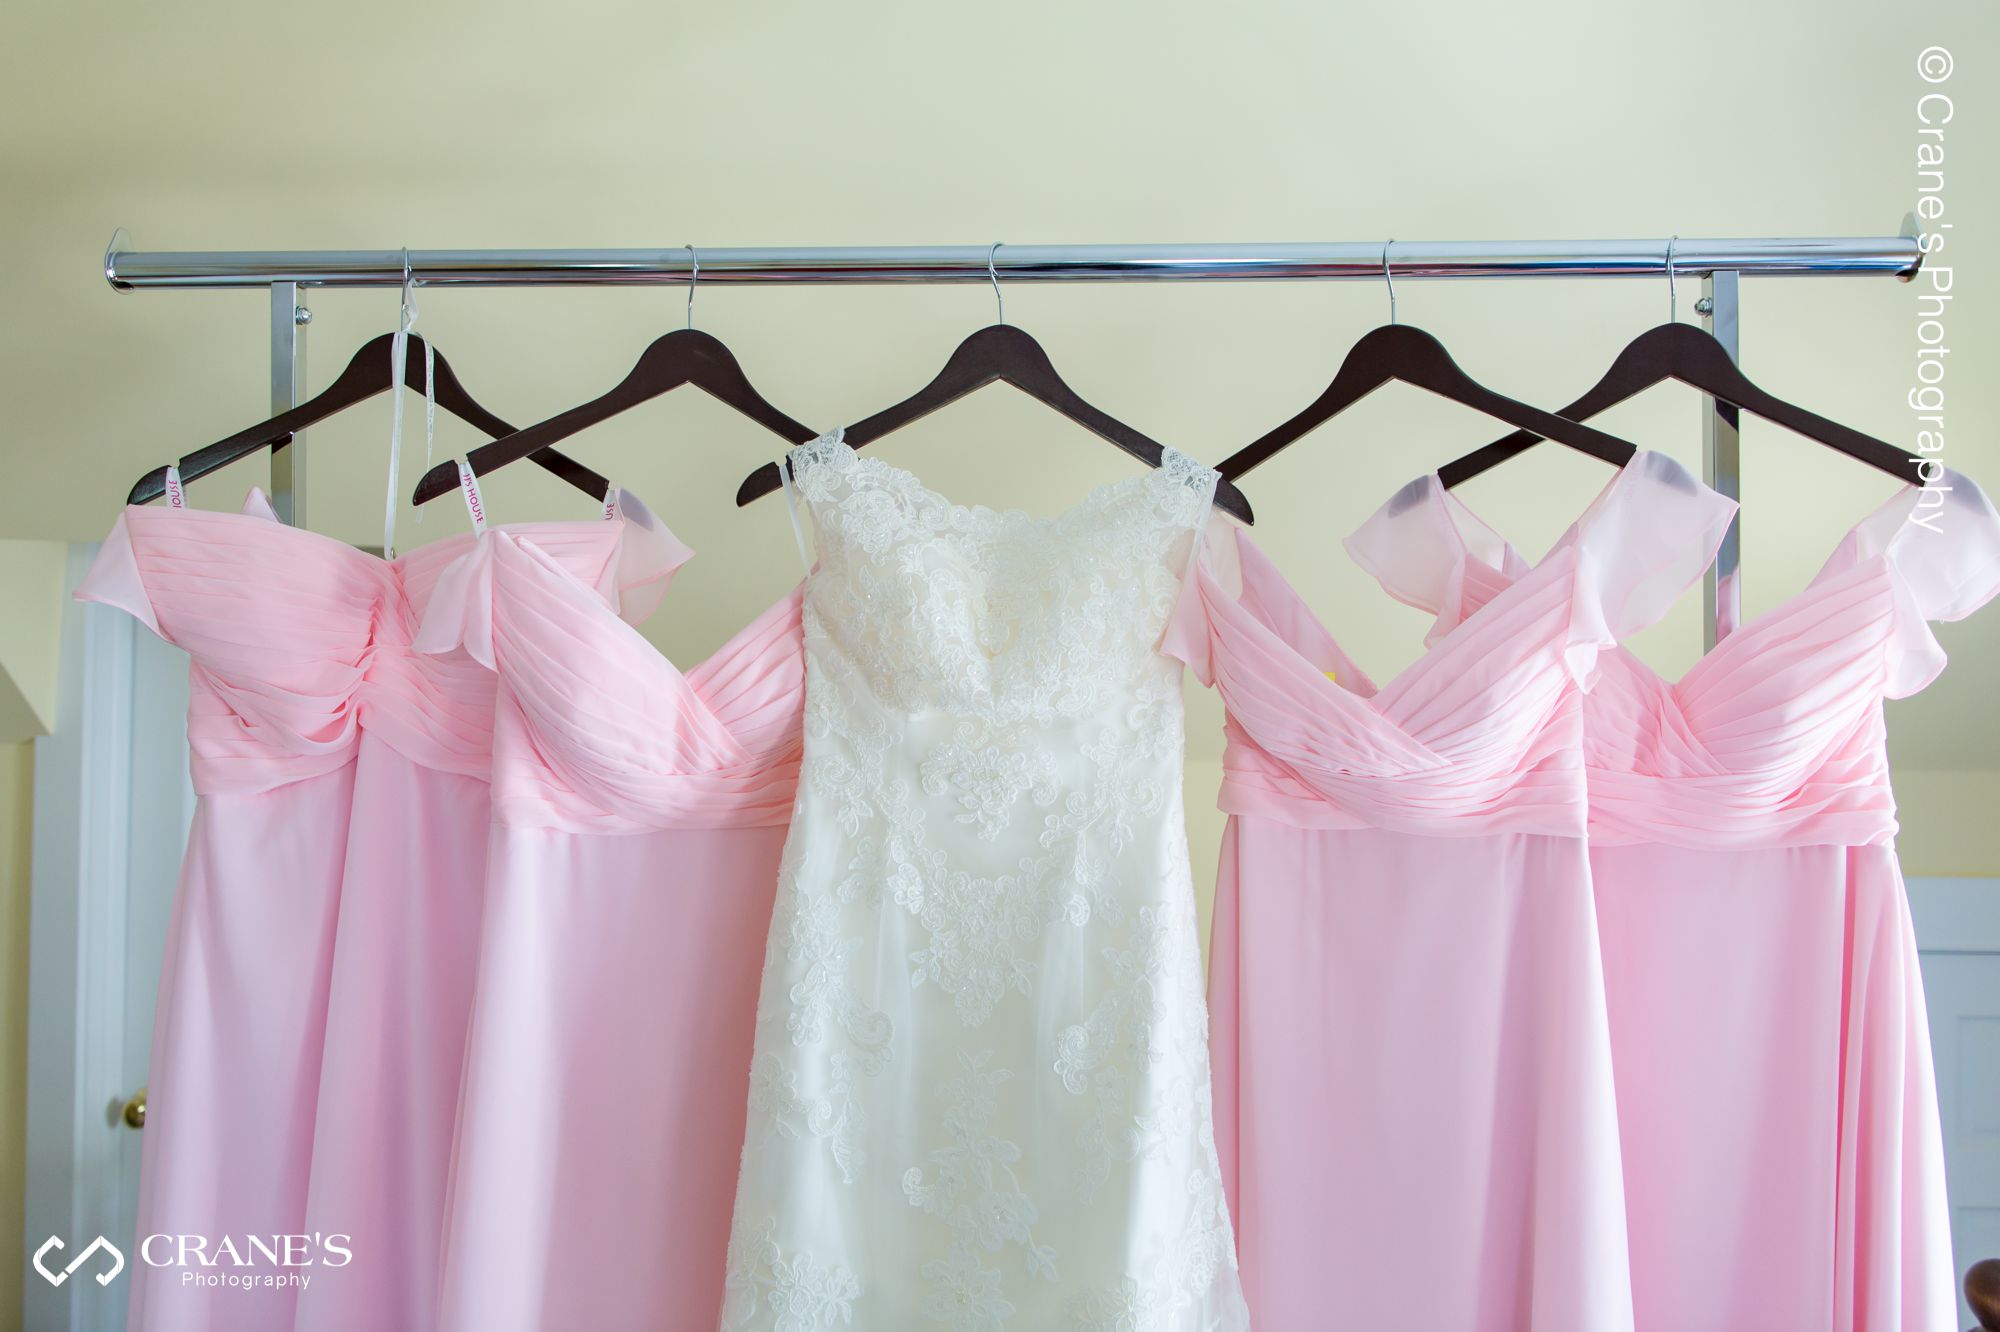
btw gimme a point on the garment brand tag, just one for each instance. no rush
(469, 484)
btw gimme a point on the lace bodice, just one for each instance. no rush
(995, 613)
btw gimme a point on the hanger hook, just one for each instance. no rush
(409, 311)
(994, 274)
(694, 276)
(1389, 277)
(1673, 286)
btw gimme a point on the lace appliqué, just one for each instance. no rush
(987, 779)
(975, 1191)
(994, 613)
(800, 1293)
(1091, 1056)
(1126, 1307)
(821, 996)
(1172, 1294)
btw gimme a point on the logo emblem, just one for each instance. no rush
(57, 1278)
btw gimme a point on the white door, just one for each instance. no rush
(1958, 939)
(112, 805)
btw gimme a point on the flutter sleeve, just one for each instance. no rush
(1941, 542)
(1645, 541)
(278, 624)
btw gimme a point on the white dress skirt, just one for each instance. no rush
(980, 1083)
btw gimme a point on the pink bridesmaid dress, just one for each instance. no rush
(639, 815)
(313, 999)
(1783, 1160)
(1413, 1075)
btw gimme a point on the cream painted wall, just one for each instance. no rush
(1946, 818)
(31, 611)
(216, 125)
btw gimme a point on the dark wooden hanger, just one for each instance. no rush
(999, 352)
(369, 373)
(1686, 353)
(1400, 352)
(684, 356)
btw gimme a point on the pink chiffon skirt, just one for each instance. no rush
(1413, 1088)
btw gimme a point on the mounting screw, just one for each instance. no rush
(1705, 306)
(301, 315)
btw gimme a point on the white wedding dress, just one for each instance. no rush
(980, 1089)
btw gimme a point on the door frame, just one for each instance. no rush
(79, 1161)
(1954, 916)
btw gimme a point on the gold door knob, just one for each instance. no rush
(135, 1111)
(1982, 1291)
